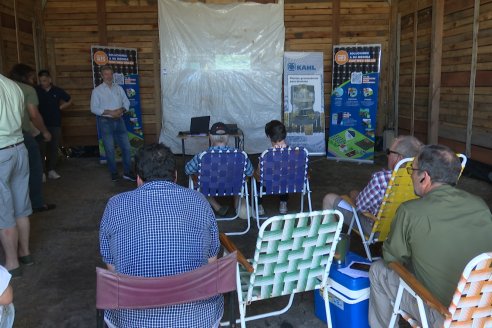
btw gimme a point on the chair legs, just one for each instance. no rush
(100, 319)
(396, 308)
(366, 243)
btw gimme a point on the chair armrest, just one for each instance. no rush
(369, 215)
(419, 289)
(231, 247)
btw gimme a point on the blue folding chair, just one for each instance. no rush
(282, 171)
(223, 173)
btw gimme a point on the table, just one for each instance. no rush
(238, 138)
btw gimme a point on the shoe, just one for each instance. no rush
(282, 209)
(129, 177)
(115, 177)
(44, 208)
(222, 211)
(261, 210)
(44, 177)
(26, 260)
(16, 273)
(53, 175)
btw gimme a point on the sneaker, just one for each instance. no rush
(53, 175)
(129, 177)
(261, 210)
(44, 177)
(115, 177)
(282, 209)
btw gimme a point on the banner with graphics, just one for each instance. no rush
(354, 102)
(304, 111)
(124, 64)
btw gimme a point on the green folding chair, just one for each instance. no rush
(293, 254)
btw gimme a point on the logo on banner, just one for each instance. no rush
(341, 57)
(100, 58)
(294, 67)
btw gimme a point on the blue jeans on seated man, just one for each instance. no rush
(115, 130)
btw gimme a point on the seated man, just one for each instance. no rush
(371, 197)
(434, 236)
(160, 229)
(218, 140)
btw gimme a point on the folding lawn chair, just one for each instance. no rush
(223, 173)
(399, 190)
(282, 171)
(118, 291)
(293, 254)
(471, 305)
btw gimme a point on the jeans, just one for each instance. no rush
(49, 150)
(35, 171)
(115, 130)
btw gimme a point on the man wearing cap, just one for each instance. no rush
(219, 136)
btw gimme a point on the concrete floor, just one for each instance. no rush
(59, 290)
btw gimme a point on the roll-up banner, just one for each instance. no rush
(304, 114)
(125, 73)
(354, 102)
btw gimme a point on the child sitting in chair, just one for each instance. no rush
(276, 131)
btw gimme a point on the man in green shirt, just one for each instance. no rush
(434, 237)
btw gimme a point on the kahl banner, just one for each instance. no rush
(304, 101)
(354, 102)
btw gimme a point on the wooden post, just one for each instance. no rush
(157, 87)
(101, 22)
(16, 22)
(473, 74)
(2, 52)
(435, 71)
(392, 99)
(414, 66)
(397, 74)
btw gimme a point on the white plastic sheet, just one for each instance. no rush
(225, 61)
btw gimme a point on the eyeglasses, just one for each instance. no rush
(389, 151)
(410, 170)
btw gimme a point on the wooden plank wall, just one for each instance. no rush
(71, 27)
(11, 51)
(455, 74)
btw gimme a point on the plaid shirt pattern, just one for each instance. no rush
(371, 197)
(193, 165)
(161, 229)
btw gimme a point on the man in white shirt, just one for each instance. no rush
(109, 103)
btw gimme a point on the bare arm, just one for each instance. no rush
(65, 104)
(110, 267)
(7, 296)
(212, 259)
(37, 121)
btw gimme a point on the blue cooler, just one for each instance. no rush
(349, 297)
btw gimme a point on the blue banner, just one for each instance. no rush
(354, 102)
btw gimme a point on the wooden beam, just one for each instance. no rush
(157, 86)
(335, 22)
(397, 73)
(17, 32)
(393, 44)
(414, 66)
(435, 71)
(39, 35)
(3, 69)
(473, 73)
(101, 22)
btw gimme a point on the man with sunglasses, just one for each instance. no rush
(371, 197)
(434, 236)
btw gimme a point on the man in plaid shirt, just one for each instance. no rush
(160, 229)
(371, 197)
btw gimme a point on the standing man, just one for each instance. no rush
(371, 197)
(14, 179)
(109, 103)
(434, 236)
(160, 229)
(52, 100)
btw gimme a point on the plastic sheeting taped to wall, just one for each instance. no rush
(225, 61)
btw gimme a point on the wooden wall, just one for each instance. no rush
(465, 88)
(17, 33)
(71, 27)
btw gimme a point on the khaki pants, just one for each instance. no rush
(384, 287)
